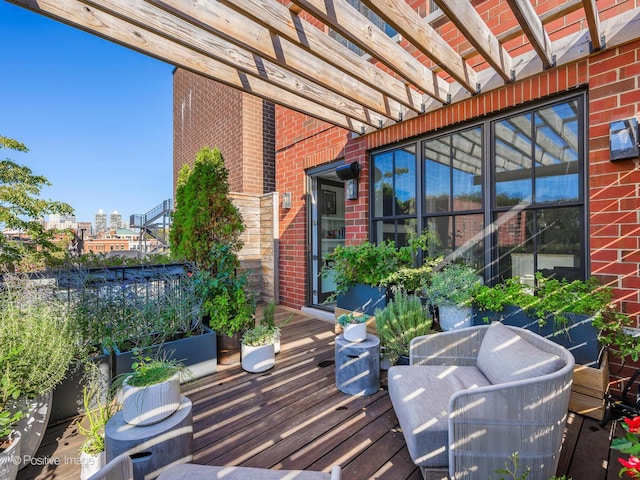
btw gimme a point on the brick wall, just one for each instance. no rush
(207, 113)
(614, 188)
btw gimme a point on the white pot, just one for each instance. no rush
(453, 317)
(90, 464)
(355, 332)
(33, 424)
(258, 359)
(10, 458)
(151, 404)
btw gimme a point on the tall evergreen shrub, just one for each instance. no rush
(204, 215)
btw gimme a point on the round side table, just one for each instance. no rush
(152, 448)
(358, 365)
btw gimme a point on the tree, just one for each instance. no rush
(204, 216)
(22, 210)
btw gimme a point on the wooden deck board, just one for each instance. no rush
(294, 417)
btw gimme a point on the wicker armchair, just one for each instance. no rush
(464, 416)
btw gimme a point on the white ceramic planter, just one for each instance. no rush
(9, 458)
(33, 424)
(151, 404)
(90, 464)
(258, 359)
(355, 332)
(454, 317)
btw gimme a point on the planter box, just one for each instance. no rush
(67, 395)
(581, 339)
(363, 299)
(197, 352)
(589, 388)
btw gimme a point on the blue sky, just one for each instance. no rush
(96, 116)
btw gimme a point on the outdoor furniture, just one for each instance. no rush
(153, 446)
(358, 365)
(121, 468)
(473, 397)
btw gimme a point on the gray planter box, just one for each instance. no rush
(67, 395)
(197, 352)
(363, 298)
(581, 339)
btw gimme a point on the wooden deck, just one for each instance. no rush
(293, 417)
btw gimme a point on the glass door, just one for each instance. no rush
(330, 231)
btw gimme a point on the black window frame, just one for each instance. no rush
(489, 209)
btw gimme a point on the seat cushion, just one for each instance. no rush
(504, 356)
(420, 397)
(191, 471)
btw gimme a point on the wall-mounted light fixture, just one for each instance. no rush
(350, 174)
(286, 200)
(623, 140)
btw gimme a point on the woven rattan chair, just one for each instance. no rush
(465, 408)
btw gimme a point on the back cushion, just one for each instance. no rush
(504, 356)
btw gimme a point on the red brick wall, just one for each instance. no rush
(207, 113)
(614, 188)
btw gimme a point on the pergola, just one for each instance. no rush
(284, 53)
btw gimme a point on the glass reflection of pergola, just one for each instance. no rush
(268, 49)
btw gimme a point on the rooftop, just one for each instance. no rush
(294, 417)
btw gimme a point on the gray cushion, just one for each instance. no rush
(504, 356)
(420, 397)
(206, 472)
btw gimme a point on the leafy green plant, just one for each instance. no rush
(151, 306)
(260, 335)
(401, 320)
(556, 298)
(629, 444)
(382, 264)
(510, 292)
(97, 412)
(412, 279)
(204, 215)
(613, 333)
(512, 470)
(454, 284)
(269, 319)
(35, 321)
(22, 210)
(9, 393)
(147, 370)
(224, 293)
(550, 299)
(352, 318)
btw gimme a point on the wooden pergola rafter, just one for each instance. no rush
(283, 52)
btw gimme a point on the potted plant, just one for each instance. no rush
(614, 332)
(354, 326)
(98, 409)
(402, 319)
(206, 230)
(258, 352)
(226, 301)
(151, 392)
(9, 417)
(566, 312)
(35, 322)
(452, 290)
(364, 272)
(268, 319)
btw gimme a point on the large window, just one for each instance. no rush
(506, 193)
(394, 188)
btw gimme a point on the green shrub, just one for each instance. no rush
(403, 319)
